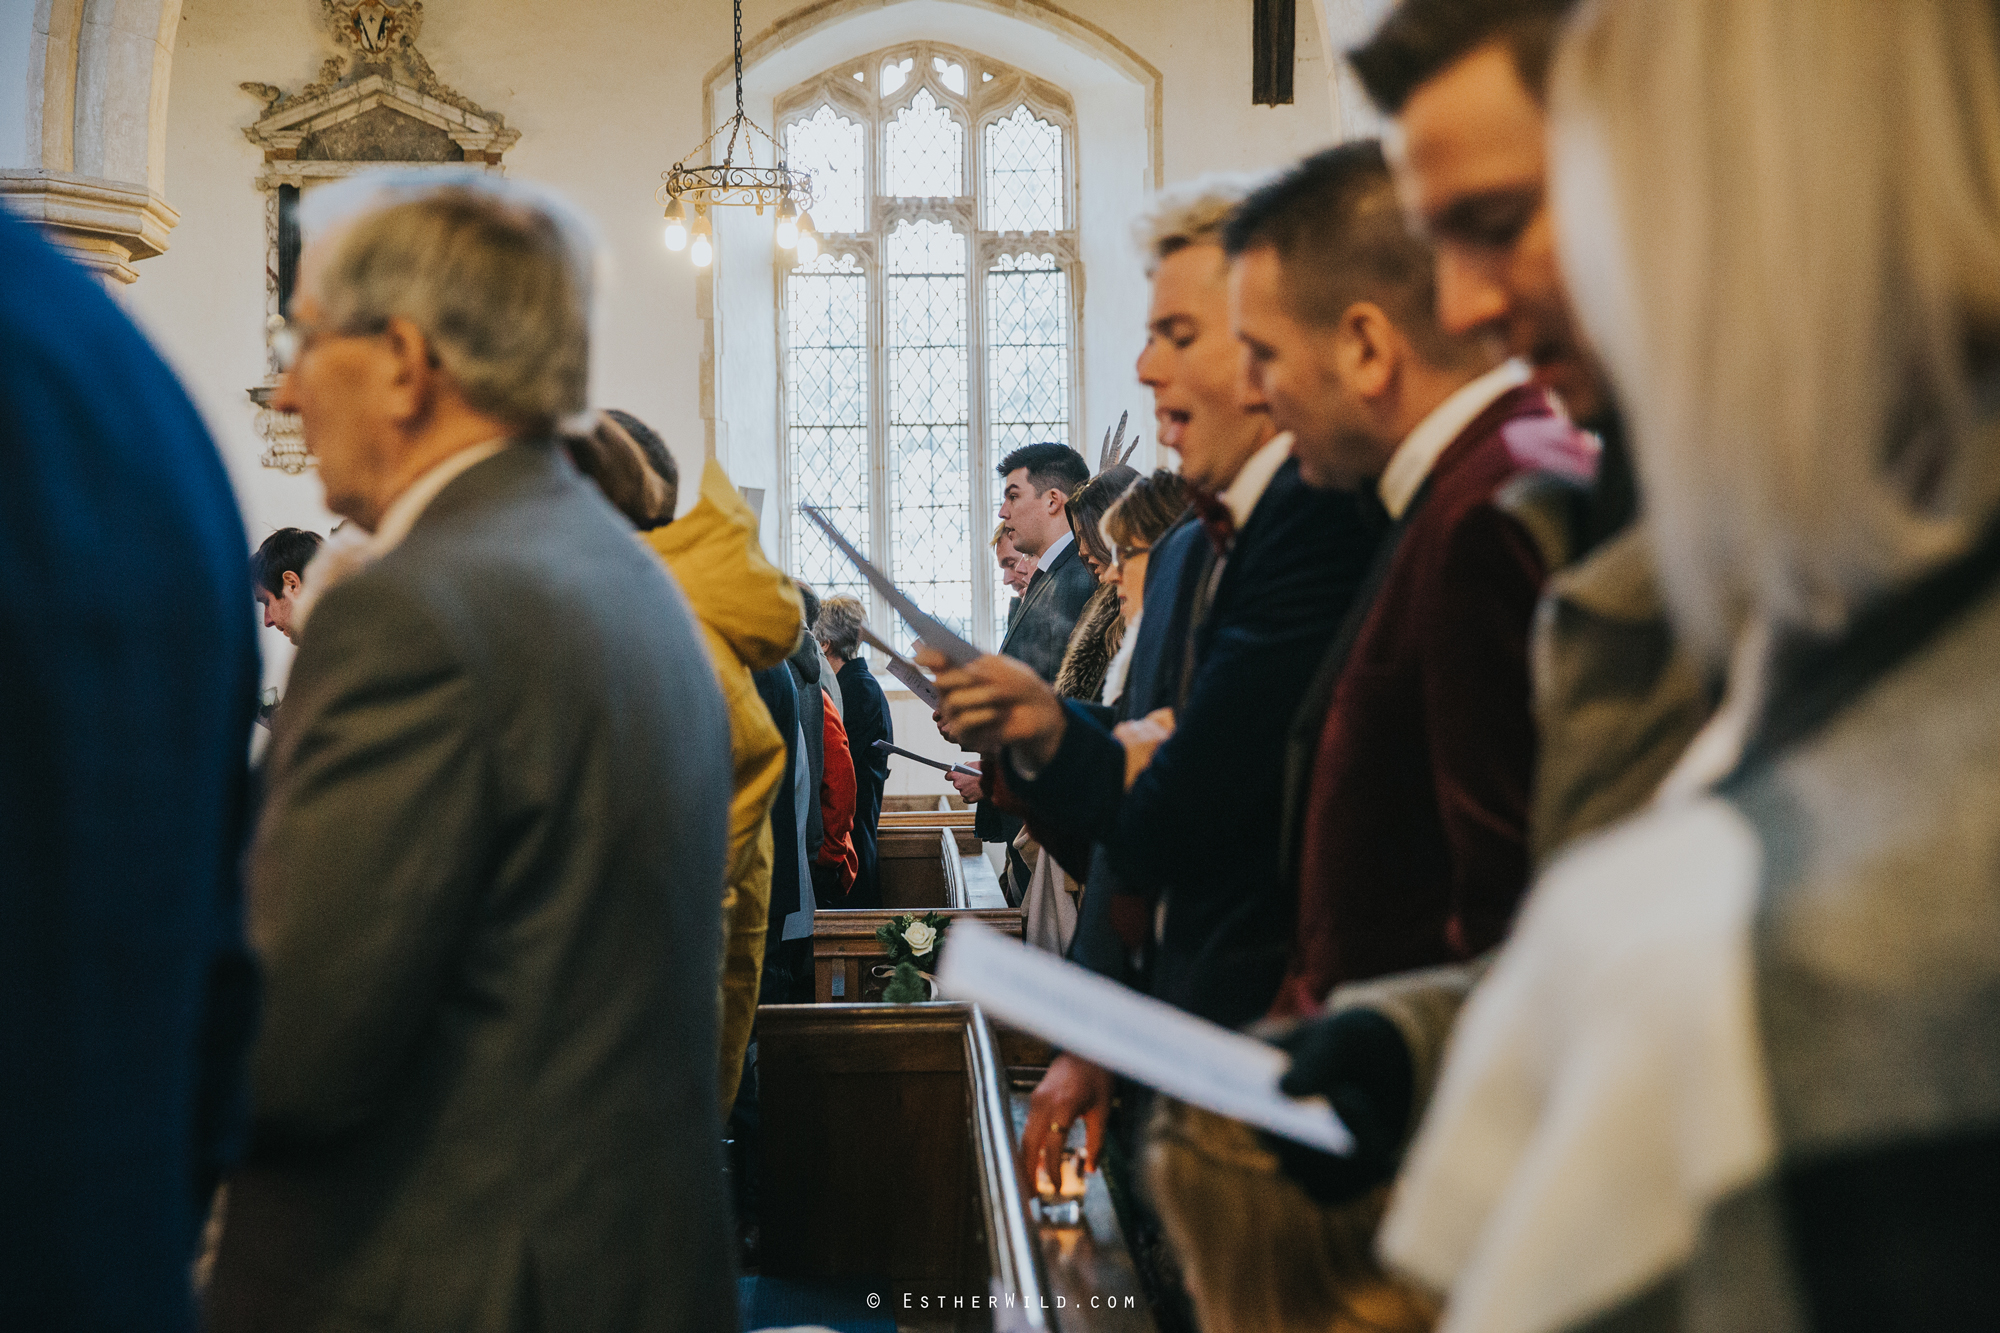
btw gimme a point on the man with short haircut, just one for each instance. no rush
(277, 572)
(1409, 769)
(1464, 79)
(1410, 839)
(1184, 796)
(1616, 703)
(485, 883)
(1036, 482)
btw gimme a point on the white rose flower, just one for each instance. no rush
(920, 937)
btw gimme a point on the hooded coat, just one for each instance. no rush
(752, 618)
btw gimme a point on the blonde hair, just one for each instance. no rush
(496, 274)
(1780, 223)
(1190, 213)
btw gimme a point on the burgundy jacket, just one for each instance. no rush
(1414, 840)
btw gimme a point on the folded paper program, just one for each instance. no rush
(1201, 1063)
(931, 630)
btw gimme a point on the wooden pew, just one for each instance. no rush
(845, 949)
(958, 821)
(889, 1137)
(919, 868)
(907, 804)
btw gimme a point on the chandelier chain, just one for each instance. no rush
(726, 182)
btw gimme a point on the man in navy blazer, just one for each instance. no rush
(127, 689)
(1239, 609)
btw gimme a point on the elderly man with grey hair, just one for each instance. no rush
(485, 883)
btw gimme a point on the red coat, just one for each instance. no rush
(1415, 836)
(836, 802)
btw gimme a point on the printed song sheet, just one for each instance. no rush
(939, 765)
(932, 631)
(903, 669)
(1199, 1062)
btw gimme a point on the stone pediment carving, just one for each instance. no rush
(379, 101)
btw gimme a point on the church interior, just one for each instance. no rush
(1061, 666)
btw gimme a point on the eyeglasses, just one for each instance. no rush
(290, 339)
(287, 340)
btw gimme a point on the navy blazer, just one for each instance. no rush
(1201, 824)
(127, 688)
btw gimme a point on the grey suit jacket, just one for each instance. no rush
(486, 893)
(1039, 630)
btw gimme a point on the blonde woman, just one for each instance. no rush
(1737, 1068)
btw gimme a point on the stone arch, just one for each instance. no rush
(83, 141)
(818, 19)
(1108, 81)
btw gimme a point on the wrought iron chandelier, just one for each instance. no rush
(728, 183)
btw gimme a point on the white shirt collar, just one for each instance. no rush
(350, 549)
(404, 511)
(1048, 556)
(1421, 448)
(1241, 495)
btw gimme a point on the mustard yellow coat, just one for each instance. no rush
(753, 619)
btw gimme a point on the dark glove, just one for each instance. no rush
(1355, 1059)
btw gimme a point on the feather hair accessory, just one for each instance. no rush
(1108, 457)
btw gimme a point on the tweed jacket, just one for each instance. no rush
(486, 889)
(124, 722)
(1755, 1024)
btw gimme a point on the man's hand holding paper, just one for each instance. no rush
(993, 702)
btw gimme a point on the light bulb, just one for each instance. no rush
(808, 247)
(677, 236)
(702, 253)
(788, 233)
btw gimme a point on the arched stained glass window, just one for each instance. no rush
(936, 330)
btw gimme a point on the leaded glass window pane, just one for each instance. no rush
(826, 414)
(887, 423)
(829, 145)
(924, 151)
(1027, 364)
(929, 426)
(1024, 173)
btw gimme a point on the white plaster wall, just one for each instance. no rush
(606, 95)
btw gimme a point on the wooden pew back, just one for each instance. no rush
(845, 950)
(919, 868)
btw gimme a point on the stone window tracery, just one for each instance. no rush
(936, 329)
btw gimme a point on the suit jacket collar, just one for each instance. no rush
(1447, 423)
(1037, 590)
